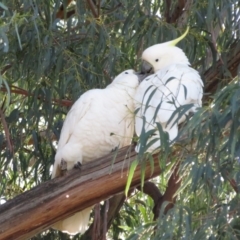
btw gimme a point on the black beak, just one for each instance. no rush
(146, 68)
(141, 76)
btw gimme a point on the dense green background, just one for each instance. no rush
(44, 60)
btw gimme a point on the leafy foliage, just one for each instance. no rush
(47, 63)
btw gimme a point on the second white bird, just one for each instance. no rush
(100, 121)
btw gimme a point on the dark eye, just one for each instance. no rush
(126, 72)
(156, 60)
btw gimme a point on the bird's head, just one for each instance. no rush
(161, 55)
(129, 78)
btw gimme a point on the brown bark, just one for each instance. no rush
(216, 76)
(6, 67)
(177, 12)
(170, 196)
(60, 13)
(152, 190)
(91, 5)
(115, 204)
(37, 209)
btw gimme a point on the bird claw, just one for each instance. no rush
(114, 149)
(78, 165)
(63, 167)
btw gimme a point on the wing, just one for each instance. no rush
(74, 116)
(76, 113)
(159, 95)
(176, 86)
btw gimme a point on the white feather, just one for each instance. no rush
(165, 91)
(99, 121)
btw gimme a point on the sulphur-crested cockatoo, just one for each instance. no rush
(100, 121)
(173, 84)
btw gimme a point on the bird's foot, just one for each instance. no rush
(63, 167)
(78, 165)
(114, 149)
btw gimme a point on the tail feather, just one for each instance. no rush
(77, 223)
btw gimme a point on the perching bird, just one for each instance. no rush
(100, 121)
(159, 96)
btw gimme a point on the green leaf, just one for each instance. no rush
(130, 175)
(149, 97)
(3, 6)
(169, 80)
(19, 39)
(8, 91)
(178, 113)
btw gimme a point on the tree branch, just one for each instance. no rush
(93, 9)
(215, 75)
(60, 13)
(17, 90)
(61, 197)
(115, 204)
(152, 190)
(114, 9)
(5, 68)
(99, 7)
(167, 11)
(177, 12)
(6, 130)
(182, 19)
(174, 184)
(232, 181)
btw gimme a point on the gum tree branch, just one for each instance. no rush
(20, 91)
(37, 209)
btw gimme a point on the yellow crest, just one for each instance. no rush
(175, 41)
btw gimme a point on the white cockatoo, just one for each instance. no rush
(100, 121)
(173, 84)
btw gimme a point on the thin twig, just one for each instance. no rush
(17, 90)
(92, 7)
(214, 42)
(6, 67)
(99, 9)
(60, 13)
(96, 223)
(232, 182)
(113, 9)
(113, 23)
(6, 130)
(105, 220)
